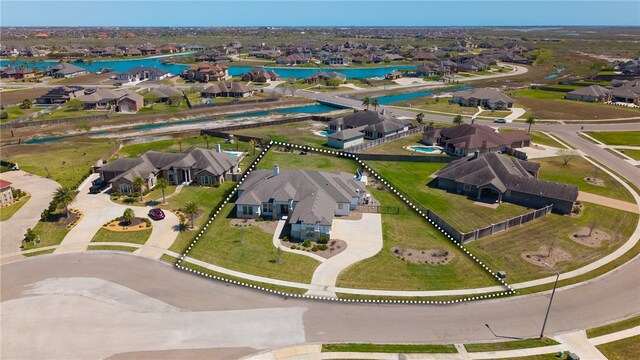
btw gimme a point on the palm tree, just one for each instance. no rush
(138, 183)
(458, 120)
(531, 120)
(206, 138)
(191, 209)
(65, 196)
(179, 142)
(420, 118)
(162, 184)
(253, 143)
(375, 104)
(366, 102)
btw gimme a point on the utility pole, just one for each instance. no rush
(550, 300)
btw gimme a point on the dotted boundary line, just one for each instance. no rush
(254, 163)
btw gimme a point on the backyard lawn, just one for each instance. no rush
(628, 138)
(504, 251)
(428, 103)
(6, 212)
(458, 210)
(69, 113)
(15, 112)
(136, 237)
(311, 161)
(397, 147)
(408, 230)
(250, 250)
(67, 161)
(297, 133)
(576, 171)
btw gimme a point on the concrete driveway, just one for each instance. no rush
(364, 240)
(41, 189)
(98, 209)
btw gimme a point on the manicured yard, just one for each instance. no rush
(15, 112)
(542, 139)
(575, 173)
(634, 154)
(627, 348)
(136, 237)
(509, 345)
(615, 327)
(311, 161)
(250, 250)
(413, 179)
(297, 133)
(67, 161)
(397, 147)
(6, 212)
(538, 94)
(112, 248)
(430, 104)
(153, 195)
(50, 234)
(408, 230)
(504, 251)
(629, 138)
(68, 113)
(495, 114)
(390, 348)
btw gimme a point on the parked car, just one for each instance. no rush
(156, 214)
(500, 121)
(97, 186)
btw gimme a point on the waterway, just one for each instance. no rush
(176, 69)
(389, 99)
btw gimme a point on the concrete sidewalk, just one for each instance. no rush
(608, 202)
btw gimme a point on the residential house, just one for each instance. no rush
(165, 93)
(487, 97)
(346, 138)
(423, 71)
(141, 73)
(16, 72)
(593, 93)
(394, 75)
(227, 89)
(260, 75)
(293, 59)
(205, 72)
(6, 194)
(167, 49)
(65, 70)
(463, 139)
(310, 200)
(133, 51)
(492, 176)
(200, 166)
(424, 56)
(631, 67)
(337, 59)
(626, 91)
(325, 76)
(103, 99)
(371, 124)
(60, 95)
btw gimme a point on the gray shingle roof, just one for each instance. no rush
(490, 94)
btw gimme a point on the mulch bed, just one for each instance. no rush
(265, 225)
(543, 255)
(432, 257)
(594, 181)
(336, 246)
(136, 225)
(62, 221)
(594, 240)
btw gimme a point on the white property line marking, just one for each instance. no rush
(406, 200)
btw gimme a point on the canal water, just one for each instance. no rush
(389, 99)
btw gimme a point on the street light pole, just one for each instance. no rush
(550, 300)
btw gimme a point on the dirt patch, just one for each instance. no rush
(267, 226)
(136, 225)
(594, 181)
(433, 257)
(334, 247)
(548, 255)
(589, 238)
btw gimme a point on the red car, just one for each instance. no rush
(156, 214)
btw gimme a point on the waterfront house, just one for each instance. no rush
(260, 75)
(227, 89)
(16, 72)
(205, 72)
(60, 95)
(325, 76)
(65, 70)
(394, 75)
(371, 124)
(463, 139)
(338, 58)
(498, 178)
(310, 200)
(487, 97)
(141, 73)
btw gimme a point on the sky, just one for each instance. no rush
(319, 13)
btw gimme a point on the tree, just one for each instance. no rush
(420, 118)
(253, 143)
(128, 216)
(30, 235)
(375, 103)
(26, 104)
(206, 139)
(65, 196)
(75, 104)
(151, 98)
(458, 120)
(162, 184)
(567, 155)
(138, 183)
(366, 102)
(179, 142)
(175, 100)
(334, 82)
(191, 209)
(531, 120)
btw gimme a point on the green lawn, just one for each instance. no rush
(153, 195)
(50, 234)
(311, 161)
(297, 133)
(408, 230)
(397, 147)
(542, 139)
(428, 103)
(629, 138)
(634, 154)
(67, 161)
(576, 171)
(15, 112)
(509, 345)
(112, 247)
(6, 212)
(615, 327)
(627, 348)
(68, 113)
(136, 237)
(458, 210)
(36, 253)
(538, 94)
(503, 251)
(390, 348)
(250, 250)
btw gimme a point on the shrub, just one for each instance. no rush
(17, 193)
(147, 221)
(306, 243)
(116, 194)
(45, 215)
(314, 248)
(4, 115)
(128, 216)
(323, 247)
(285, 239)
(216, 185)
(30, 235)
(323, 239)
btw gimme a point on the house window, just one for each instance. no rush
(340, 206)
(310, 231)
(247, 210)
(151, 183)
(125, 188)
(267, 207)
(206, 180)
(467, 187)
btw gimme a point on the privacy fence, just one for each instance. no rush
(383, 140)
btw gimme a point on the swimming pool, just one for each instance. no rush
(324, 133)
(425, 149)
(233, 153)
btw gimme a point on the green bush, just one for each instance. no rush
(30, 235)
(314, 248)
(116, 194)
(216, 185)
(306, 243)
(4, 115)
(323, 247)
(147, 221)
(323, 239)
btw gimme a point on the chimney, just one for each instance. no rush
(476, 153)
(484, 144)
(276, 170)
(218, 148)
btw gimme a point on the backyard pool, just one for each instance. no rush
(425, 149)
(324, 133)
